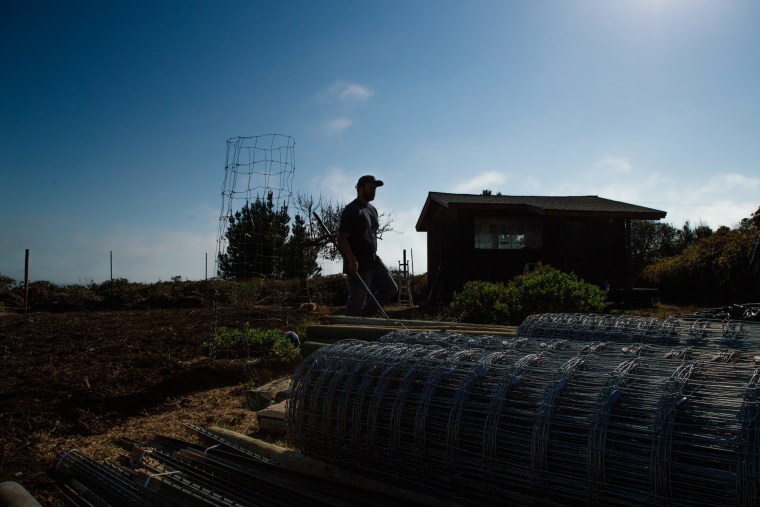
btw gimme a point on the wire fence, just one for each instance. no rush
(574, 409)
(253, 227)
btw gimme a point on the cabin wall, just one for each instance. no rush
(593, 248)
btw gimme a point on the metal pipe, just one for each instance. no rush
(13, 494)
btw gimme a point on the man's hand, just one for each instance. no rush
(352, 267)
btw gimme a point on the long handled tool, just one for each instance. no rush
(335, 242)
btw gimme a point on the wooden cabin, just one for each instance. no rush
(496, 237)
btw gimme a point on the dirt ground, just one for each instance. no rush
(83, 379)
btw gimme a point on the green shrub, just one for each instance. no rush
(44, 295)
(252, 342)
(548, 290)
(6, 283)
(480, 302)
(544, 290)
(9, 298)
(715, 270)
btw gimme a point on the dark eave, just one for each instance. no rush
(569, 206)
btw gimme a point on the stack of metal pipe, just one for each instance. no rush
(166, 471)
(574, 409)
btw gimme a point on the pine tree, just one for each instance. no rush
(256, 237)
(301, 252)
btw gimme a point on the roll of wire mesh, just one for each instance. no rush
(574, 409)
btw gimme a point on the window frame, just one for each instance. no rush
(508, 233)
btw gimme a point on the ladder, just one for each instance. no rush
(404, 283)
(405, 291)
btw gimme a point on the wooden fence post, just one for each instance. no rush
(26, 280)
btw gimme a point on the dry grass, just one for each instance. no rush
(82, 380)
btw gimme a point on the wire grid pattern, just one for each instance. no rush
(450, 339)
(255, 167)
(696, 332)
(540, 419)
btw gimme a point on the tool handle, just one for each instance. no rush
(326, 230)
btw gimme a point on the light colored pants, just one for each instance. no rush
(379, 281)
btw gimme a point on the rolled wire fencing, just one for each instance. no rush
(574, 409)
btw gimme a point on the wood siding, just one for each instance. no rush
(593, 248)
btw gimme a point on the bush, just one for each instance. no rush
(480, 302)
(715, 270)
(122, 294)
(252, 342)
(6, 283)
(545, 289)
(9, 298)
(548, 290)
(44, 295)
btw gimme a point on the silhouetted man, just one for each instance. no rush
(357, 239)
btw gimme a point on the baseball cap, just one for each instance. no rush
(368, 178)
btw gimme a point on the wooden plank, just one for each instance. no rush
(335, 333)
(272, 419)
(268, 394)
(300, 463)
(308, 348)
(410, 323)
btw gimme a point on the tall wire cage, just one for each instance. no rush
(254, 224)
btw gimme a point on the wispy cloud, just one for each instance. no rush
(346, 93)
(336, 126)
(728, 184)
(724, 199)
(616, 164)
(483, 181)
(340, 101)
(404, 237)
(334, 183)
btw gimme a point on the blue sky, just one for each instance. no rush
(114, 116)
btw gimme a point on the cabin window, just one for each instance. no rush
(508, 233)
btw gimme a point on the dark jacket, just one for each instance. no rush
(361, 223)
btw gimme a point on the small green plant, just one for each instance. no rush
(252, 342)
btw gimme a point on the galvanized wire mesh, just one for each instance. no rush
(563, 413)
(446, 339)
(253, 229)
(627, 328)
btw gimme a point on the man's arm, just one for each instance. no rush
(352, 265)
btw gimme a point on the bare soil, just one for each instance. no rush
(83, 379)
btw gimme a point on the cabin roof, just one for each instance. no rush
(570, 205)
